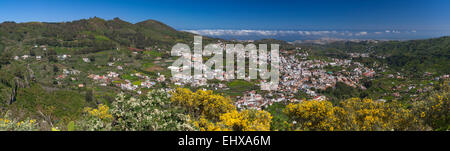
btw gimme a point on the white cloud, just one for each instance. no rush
(320, 33)
(363, 33)
(221, 32)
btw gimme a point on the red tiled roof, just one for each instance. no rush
(135, 49)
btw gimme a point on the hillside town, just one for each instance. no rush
(302, 74)
(299, 73)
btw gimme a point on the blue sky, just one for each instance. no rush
(319, 15)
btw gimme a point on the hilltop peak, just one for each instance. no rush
(155, 24)
(150, 21)
(117, 19)
(96, 19)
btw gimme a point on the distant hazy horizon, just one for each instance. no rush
(294, 35)
(304, 34)
(256, 19)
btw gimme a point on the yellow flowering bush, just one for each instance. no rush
(314, 115)
(370, 115)
(96, 119)
(100, 112)
(434, 111)
(4, 121)
(246, 120)
(204, 124)
(28, 124)
(214, 112)
(353, 114)
(202, 103)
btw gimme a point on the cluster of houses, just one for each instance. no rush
(297, 74)
(357, 55)
(38, 58)
(127, 84)
(309, 75)
(104, 79)
(252, 100)
(196, 80)
(25, 57)
(63, 57)
(300, 74)
(67, 72)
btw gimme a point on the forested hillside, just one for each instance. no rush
(413, 56)
(35, 55)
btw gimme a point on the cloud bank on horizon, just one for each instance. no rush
(291, 35)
